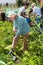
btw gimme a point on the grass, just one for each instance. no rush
(34, 56)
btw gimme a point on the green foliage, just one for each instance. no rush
(33, 0)
(19, 2)
(34, 55)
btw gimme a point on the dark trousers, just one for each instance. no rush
(3, 16)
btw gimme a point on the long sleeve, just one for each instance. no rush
(15, 25)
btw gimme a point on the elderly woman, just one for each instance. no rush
(21, 27)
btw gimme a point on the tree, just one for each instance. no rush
(19, 2)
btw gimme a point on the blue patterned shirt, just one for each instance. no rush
(21, 25)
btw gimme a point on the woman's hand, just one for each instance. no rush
(15, 30)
